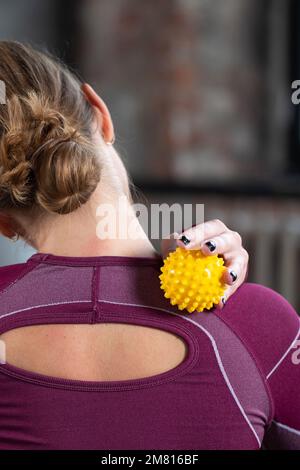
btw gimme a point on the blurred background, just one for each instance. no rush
(200, 94)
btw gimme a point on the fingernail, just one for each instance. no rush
(185, 240)
(233, 276)
(223, 300)
(211, 246)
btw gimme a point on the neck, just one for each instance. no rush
(81, 233)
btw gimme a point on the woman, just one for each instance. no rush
(96, 358)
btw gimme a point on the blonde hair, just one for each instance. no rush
(47, 158)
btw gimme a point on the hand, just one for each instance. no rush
(214, 238)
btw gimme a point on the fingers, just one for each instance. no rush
(221, 245)
(214, 238)
(234, 276)
(193, 237)
(228, 292)
(236, 265)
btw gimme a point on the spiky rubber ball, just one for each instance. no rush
(191, 280)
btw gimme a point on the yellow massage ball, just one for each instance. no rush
(191, 280)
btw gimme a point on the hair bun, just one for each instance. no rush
(44, 158)
(67, 173)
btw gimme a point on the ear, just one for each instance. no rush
(7, 225)
(106, 122)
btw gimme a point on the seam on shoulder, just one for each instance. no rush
(27, 269)
(284, 355)
(259, 368)
(225, 376)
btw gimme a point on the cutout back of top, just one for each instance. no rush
(98, 352)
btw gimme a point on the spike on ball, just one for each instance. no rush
(191, 280)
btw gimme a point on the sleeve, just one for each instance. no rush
(284, 383)
(9, 274)
(270, 328)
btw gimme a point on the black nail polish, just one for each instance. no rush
(185, 240)
(211, 246)
(223, 300)
(233, 276)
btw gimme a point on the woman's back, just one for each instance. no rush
(100, 351)
(98, 359)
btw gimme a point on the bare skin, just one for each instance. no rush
(94, 352)
(107, 351)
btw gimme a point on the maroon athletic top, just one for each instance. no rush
(237, 388)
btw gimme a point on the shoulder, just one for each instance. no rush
(11, 273)
(260, 304)
(264, 320)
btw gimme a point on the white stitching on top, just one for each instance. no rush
(216, 351)
(215, 348)
(44, 305)
(284, 355)
(287, 428)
